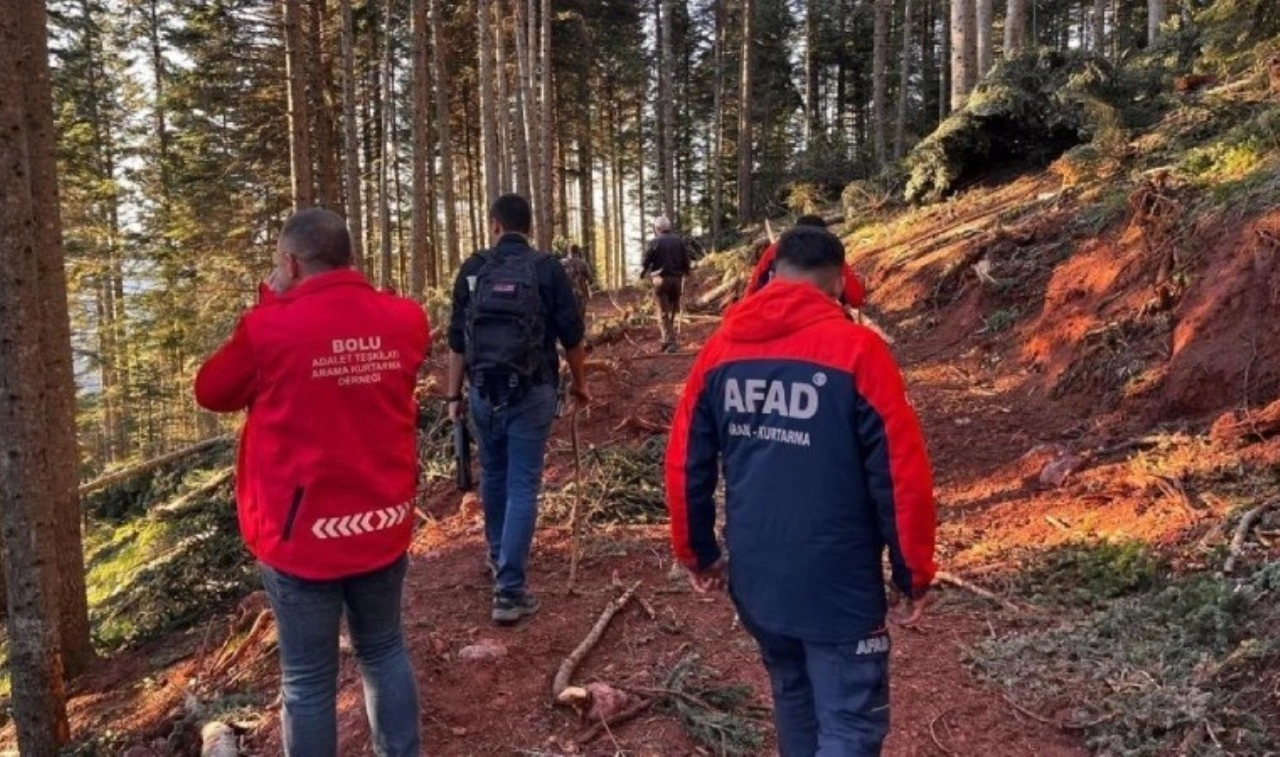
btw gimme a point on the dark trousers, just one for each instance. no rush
(829, 700)
(666, 292)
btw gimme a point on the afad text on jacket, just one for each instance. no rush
(824, 463)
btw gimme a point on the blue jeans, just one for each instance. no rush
(307, 617)
(512, 441)
(829, 700)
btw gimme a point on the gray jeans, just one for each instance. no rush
(307, 616)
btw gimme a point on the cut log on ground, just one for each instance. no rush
(176, 507)
(218, 740)
(1242, 533)
(575, 658)
(150, 465)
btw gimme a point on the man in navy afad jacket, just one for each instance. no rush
(825, 468)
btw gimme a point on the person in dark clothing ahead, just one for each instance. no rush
(667, 263)
(825, 469)
(511, 304)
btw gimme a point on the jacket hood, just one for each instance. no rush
(778, 310)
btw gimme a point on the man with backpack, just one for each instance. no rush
(511, 305)
(667, 262)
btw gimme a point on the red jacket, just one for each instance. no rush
(326, 471)
(824, 466)
(854, 295)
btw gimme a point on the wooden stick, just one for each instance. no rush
(1242, 533)
(570, 664)
(960, 583)
(577, 503)
(140, 468)
(593, 733)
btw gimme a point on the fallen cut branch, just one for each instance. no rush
(640, 424)
(228, 659)
(182, 503)
(570, 664)
(960, 583)
(1055, 724)
(577, 503)
(725, 288)
(150, 465)
(1242, 533)
(593, 733)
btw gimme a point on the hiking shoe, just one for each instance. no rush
(509, 610)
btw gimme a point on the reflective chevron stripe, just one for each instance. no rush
(361, 523)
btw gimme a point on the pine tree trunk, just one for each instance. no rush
(299, 116)
(1098, 27)
(666, 119)
(385, 142)
(506, 181)
(488, 114)
(351, 137)
(985, 15)
(929, 63)
(746, 210)
(1157, 14)
(546, 213)
(619, 180)
(972, 74)
(525, 29)
(812, 112)
(1015, 27)
(448, 186)
(326, 150)
(640, 181)
(421, 253)
(61, 453)
(904, 81)
(879, 79)
(28, 486)
(961, 12)
(586, 167)
(716, 169)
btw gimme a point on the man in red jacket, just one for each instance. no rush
(825, 471)
(326, 475)
(852, 293)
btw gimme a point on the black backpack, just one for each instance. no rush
(506, 330)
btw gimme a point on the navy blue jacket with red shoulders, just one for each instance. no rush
(824, 465)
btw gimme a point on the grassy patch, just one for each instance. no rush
(1190, 663)
(1088, 574)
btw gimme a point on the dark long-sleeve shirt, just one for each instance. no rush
(667, 254)
(559, 306)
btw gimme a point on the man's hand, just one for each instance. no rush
(711, 579)
(278, 281)
(908, 612)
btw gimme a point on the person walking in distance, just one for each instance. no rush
(511, 305)
(825, 470)
(579, 273)
(852, 294)
(326, 475)
(666, 262)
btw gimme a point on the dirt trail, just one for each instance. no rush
(502, 707)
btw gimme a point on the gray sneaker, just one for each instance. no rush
(509, 610)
